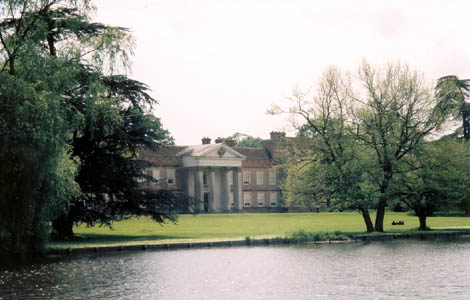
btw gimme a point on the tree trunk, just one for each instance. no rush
(62, 229)
(367, 219)
(466, 122)
(422, 222)
(466, 206)
(379, 218)
(50, 42)
(12, 66)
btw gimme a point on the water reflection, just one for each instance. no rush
(387, 270)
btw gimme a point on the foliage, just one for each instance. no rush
(366, 129)
(70, 128)
(304, 187)
(315, 178)
(305, 131)
(439, 179)
(244, 140)
(303, 236)
(109, 141)
(37, 174)
(452, 93)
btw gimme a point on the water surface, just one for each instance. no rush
(436, 269)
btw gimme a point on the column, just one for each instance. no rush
(198, 190)
(236, 189)
(211, 190)
(225, 189)
(190, 182)
(190, 188)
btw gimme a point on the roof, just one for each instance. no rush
(196, 150)
(165, 155)
(204, 150)
(280, 147)
(252, 157)
(253, 154)
(255, 157)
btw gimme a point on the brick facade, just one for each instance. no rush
(218, 196)
(206, 173)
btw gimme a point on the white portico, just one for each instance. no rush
(214, 176)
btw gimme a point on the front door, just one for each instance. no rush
(206, 202)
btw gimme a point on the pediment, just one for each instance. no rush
(224, 151)
(212, 151)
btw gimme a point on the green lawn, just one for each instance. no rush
(238, 226)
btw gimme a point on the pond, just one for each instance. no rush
(411, 269)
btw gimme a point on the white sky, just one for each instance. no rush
(216, 66)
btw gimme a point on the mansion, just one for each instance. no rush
(221, 177)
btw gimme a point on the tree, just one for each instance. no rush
(303, 184)
(244, 140)
(305, 131)
(388, 112)
(64, 113)
(393, 119)
(332, 154)
(110, 142)
(341, 184)
(116, 121)
(439, 179)
(451, 93)
(37, 174)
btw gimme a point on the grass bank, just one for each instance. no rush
(220, 227)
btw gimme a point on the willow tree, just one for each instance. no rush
(38, 171)
(387, 111)
(64, 113)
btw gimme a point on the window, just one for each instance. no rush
(246, 199)
(246, 177)
(170, 176)
(259, 177)
(272, 178)
(260, 196)
(273, 198)
(156, 174)
(204, 178)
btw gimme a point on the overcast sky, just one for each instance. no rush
(216, 66)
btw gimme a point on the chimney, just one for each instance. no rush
(219, 140)
(206, 140)
(276, 135)
(230, 142)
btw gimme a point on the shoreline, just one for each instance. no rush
(217, 243)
